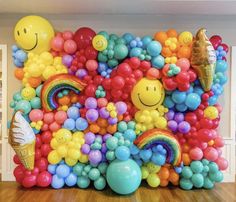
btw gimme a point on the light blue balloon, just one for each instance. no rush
(83, 182)
(178, 97)
(212, 100)
(134, 149)
(198, 90)
(123, 177)
(193, 100)
(57, 182)
(221, 66)
(158, 62)
(81, 124)
(128, 37)
(69, 124)
(52, 168)
(145, 155)
(122, 153)
(71, 180)
(21, 55)
(135, 52)
(154, 48)
(158, 159)
(168, 102)
(130, 135)
(181, 107)
(73, 113)
(63, 170)
(146, 40)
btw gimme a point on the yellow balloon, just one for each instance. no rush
(34, 70)
(152, 168)
(99, 42)
(153, 180)
(54, 144)
(144, 172)
(63, 135)
(74, 154)
(147, 94)
(48, 72)
(62, 150)
(28, 93)
(70, 161)
(161, 123)
(185, 38)
(83, 158)
(47, 58)
(33, 34)
(53, 157)
(211, 112)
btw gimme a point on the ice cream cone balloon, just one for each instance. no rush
(22, 139)
(203, 59)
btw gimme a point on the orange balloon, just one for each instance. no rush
(19, 73)
(185, 148)
(153, 73)
(166, 52)
(94, 128)
(184, 52)
(186, 159)
(120, 117)
(34, 81)
(112, 129)
(164, 183)
(65, 100)
(164, 173)
(172, 33)
(102, 122)
(174, 177)
(74, 98)
(161, 37)
(102, 131)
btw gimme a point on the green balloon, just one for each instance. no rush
(186, 184)
(123, 177)
(196, 166)
(110, 155)
(102, 168)
(102, 57)
(187, 172)
(35, 103)
(208, 184)
(213, 167)
(197, 180)
(217, 177)
(114, 37)
(120, 51)
(100, 183)
(17, 96)
(38, 90)
(131, 125)
(23, 105)
(12, 104)
(94, 174)
(83, 182)
(112, 63)
(78, 169)
(104, 33)
(112, 143)
(87, 168)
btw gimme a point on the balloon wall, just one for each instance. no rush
(97, 109)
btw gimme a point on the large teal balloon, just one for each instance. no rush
(23, 105)
(124, 177)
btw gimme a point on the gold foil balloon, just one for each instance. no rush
(203, 59)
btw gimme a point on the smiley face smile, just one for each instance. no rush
(36, 43)
(148, 105)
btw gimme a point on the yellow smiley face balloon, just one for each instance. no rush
(99, 42)
(148, 94)
(33, 34)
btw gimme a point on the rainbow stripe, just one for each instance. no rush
(154, 137)
(54, 85)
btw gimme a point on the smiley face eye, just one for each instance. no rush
(24, 30)
(147, 88)
(155, 88)
(18, 33)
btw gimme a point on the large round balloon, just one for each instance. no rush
(33, 34)
(124, 177)
(147, 94)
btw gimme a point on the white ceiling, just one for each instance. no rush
(118, 7)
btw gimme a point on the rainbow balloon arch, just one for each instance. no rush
(109, 110)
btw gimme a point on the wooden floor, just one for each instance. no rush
(11, 191)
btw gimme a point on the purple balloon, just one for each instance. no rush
(95, 157)
(121, 107)
(104, 148)
(104, 113)
(184, 127)
(105, 137)
(91, 103)
(92, 115)
(179, 117)
(172, 125)
(81, 73)
(170, 115)
(89, 138)
(85, 149)
(67, 60)
(112, 121)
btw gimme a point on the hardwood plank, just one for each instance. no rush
(12, 192)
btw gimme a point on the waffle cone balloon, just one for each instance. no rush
(203, 59)
(22, 139)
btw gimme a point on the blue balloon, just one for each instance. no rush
(81, 124)
(168, 102)
(122, 153)
(158, 159)
(193, 100)
(21, 55)
(146, 40)
(158, 62)
(57, 182)
(69, 124)
(133, 149)
(221, 66)
(123, 177)
(154, 48)
(73, 113)
(63, 170)
(181, 107)
(198, 90)
(71, 180)
(145, 155)
(135, 52)
(130, 135)
(52, 168)
(213, 100)
(83, 182)
(178, 97)
(128, 37)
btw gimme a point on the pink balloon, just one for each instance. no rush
(196, 153)
(67, 35)
(45, 127)
(60, 117)
(91, 65)
(57, 43)
(183, 63)
(222, 163)
(54, 126)
(36, 115)
(44, 179)
(210, 153)
(48, 118)
(219, 142)
(70, 46)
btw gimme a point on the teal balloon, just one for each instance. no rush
(23, 105)
(103, 168)
(38, 90)
(100, 183)
(83, 182)
(187, 172)
(94, 174)
(17, 96)
(213, 167)
(197, 180)
(217, 177)
(205, 169)
(35, 103)
(104, 33)
(120, 51)
(186, 184)
(208, 184)
(123, 177)
(78, 169)
(205, 162)
(196, 166)
(112, 143)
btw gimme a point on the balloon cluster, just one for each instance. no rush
(126, 108)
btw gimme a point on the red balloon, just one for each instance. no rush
(98, 80)
(90, 90)
(145, 65)
(16, 159)
(183, 87)
(42, 164)
(44, 179)
(206, 123)
(45, 150)
(216, 41)
(46, 137)
(211, 154)
(124, 70)
(117, 82)
(219, 142)
(169, 84)
(83, 37)
(38, 141)
(138, 74)
(19, 173)
(37, 154)
(35, 171)
(90, 53)
(29, 181)
(106, 84)
(205, 135)
(191, 118)
(225, 47)
(183, 77)
(196, 153)
(134, 62)
(192, 75)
